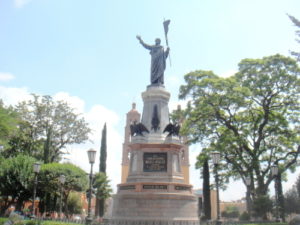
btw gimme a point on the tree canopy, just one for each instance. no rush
(16, 179)
(50, 186)
(102, 189)
(8, 124)
(252, 117)
(296, 22)
(47, 127)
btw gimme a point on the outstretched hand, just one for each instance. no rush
(138, 37)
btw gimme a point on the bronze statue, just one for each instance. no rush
(173, 129)
(137, 129)
(158, 60)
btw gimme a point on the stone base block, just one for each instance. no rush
(154, 208)
(152, 222)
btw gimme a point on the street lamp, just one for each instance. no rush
(62, 179)
(248, 197)
(274, 173)
(92, 155)
(216, 156)
(36, 170)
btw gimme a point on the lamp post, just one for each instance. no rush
(91, 155)
(248, 197)
(216, 156)
(274, 172)
(62, 179)
(36, 170)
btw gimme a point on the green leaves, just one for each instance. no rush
(16, 177)
(76, 179)
(101, 184)
(49, 126)
(252, 115)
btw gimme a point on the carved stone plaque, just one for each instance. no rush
(155, 162)
(155, 186)
(127, 187)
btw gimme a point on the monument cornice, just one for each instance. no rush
(136, 146)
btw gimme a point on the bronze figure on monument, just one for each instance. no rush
(158, 60)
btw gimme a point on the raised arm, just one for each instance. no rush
(149, 47)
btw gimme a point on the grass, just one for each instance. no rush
(34, 222)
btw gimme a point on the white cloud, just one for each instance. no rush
(11, 96)
(21, 3)
(6, 76)
(73, 101)
(228, 73)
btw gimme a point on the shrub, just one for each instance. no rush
(2, 220)
(244, 216)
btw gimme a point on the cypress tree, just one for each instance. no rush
(206, 191)
(103, 154)
(100, 203)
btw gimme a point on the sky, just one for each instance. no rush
(86, 53)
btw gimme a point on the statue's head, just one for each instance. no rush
(157, 41)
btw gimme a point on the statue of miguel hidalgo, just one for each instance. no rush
(158, 60)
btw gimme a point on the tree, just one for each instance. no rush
(103, 189)
(16, 180)
(8, 124)
(49, 126)
(48, 191)
(252, 117)
(74, 204)
(292, 201)
(231, 212)
(261, 206)
(103, 151)
(280, 196)
(100, 203)
(296, 22)
(203, 162)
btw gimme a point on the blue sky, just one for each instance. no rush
(86, 51)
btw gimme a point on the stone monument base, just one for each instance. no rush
(143, 208)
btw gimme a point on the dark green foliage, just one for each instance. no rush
(261, 206)
(244, 216)
(74, 204)
(100, 204)
(292, 198)
(16, 180)
(103, 151)
(231, 212)
(8, 125)
(206, 191)
(292, 201)
(103, 190)
(49, 188)
(251, 118)
(281, 205)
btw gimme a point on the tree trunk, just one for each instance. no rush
(206, 191)
(281, 199)
(101, 207)
(47, 147)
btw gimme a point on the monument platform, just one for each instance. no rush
(155, 191)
